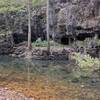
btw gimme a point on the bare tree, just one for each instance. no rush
(29, 51)
(48, 27)
(29, 25)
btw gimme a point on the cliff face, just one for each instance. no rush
(83, 13)
(66, 17)
(6, 44)
(79, 18)
(16, 22)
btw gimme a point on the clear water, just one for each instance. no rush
(22, 73)
(54, 70)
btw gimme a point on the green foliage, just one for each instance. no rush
(10, 5)
(39, 2)
(98, 42)
(40, 44)
(16, 5)
(45, 44)
(4, 32)
(85, 64)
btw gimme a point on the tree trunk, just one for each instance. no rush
(29, 25)
(29, 48)
(48, 28)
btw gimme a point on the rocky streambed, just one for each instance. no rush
(56, 52)
(40, 53)
(6, 94)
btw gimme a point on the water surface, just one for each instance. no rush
(48, 80)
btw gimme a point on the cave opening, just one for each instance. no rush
(83, 36)
(37, 30)
(67, 39)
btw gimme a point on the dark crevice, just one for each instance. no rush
(67, 39)
(83, 36)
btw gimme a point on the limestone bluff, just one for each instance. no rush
(71, 17)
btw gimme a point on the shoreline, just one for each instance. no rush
(40, 53)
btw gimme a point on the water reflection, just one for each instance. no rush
(12, 66)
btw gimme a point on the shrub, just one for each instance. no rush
(98, 42)
(85, 64)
